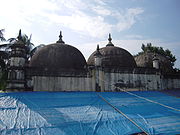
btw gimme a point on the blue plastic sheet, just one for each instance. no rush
(85, 113)
(155, 112)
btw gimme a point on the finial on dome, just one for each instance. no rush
(97, 47)
(60, 38)
(98, 53)
(19, 36)
(110, 39)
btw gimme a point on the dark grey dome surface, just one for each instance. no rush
(58, 57)
(114, 57)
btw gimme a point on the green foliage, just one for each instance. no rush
(5, 52)
(26, 40)
(177, 70)
(159, 50)
(22, 37)
(2, 35)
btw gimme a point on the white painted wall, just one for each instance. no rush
(131, 81)
(170, 83)
(107, 81)
(63, 83)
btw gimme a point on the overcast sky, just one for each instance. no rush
(86, 23)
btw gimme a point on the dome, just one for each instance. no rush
(113, 57)
(146, 60)
(58, 57)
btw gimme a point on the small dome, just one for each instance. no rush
(146, 60)
(114, 57)
(58, 57)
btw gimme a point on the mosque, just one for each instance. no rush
(62, 67)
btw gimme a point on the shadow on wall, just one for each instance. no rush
(128, 85)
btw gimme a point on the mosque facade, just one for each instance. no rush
(62, 67)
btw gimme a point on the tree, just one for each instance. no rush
(25, 39)
(2, 35)
(5, 52)
(3, 59)
(30, 49)
(32, 52)
(3, 69)
(159, 50)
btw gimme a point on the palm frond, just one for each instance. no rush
(2, 35)
(11, 40)
(2, 39)
(4, 46)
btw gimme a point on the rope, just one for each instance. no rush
(123, 114)
(143, 97)
(151, 100)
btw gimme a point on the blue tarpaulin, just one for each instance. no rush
(88, 113)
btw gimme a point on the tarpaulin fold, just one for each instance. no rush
(85, 113)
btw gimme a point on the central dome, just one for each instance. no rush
(58, 57)
(113, 57)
